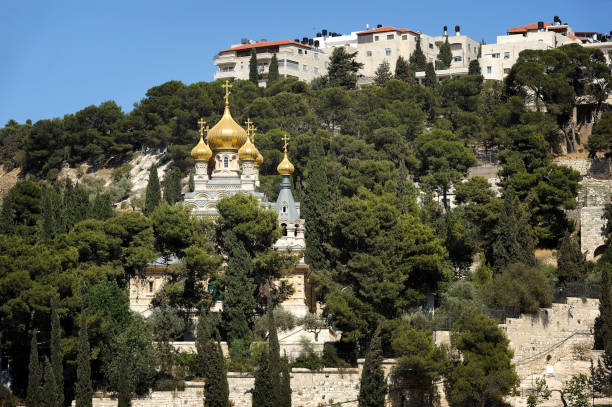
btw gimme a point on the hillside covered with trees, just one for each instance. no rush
(374, 166)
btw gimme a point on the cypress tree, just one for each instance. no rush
(525, 240)
(285, 389)
(571, 264)
(153, 193)
(445, 56)
(253, 71)
(273, 74)
(514, 242)
(403, 71)
(56, 352)
(203, 335)
(34, 395)
(50, 393)
(83, 387)
(402, 187)
(173, 190)
(191, 182)
(474, 68)
(383, 74)
(430, 76)
(417, 60)
(76, 204)
(316, 203)
(239, 301)
(46, 213)
(373, 385)
(7, 217)
(602, 375)
(216, 389)
(102, 207)
(124, 396)
(263, 382)
(274, 355)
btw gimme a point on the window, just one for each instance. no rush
(495, 55)
(376, 38)
(506, 70)
(316, 70)
(489, 69)
(305, 67)
(284, 209)
(305, 52)
(404, 37)
(387, 51)
(227, 69)
(369, 53)
(293, 64)
(299, 51)
(430, 46)
(390, 36)
(457, 59)
(284, 227)
(225, 162)
(507, 55)
(150, 286)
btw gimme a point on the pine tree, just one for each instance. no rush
(273, 74)
(124, 396)
(216, 389)
(474, 68)
(445, 56)
(430, 76)
(50, 393)
(274, 355)
(383, 74)
(418, 61)
(56, 352)
(373, 385)
(262, 388)
(253, 71)
(153, 193)
(316, 204)
(571, 264)
(403, 71)
(285, 389)
(34, 395)
(102, 207)
(83, 387)
(239, 301)
(342, 68)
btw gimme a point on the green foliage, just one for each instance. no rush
(571, 263)
(342, 69)
(6, 397)
(83, 387)
(50, 394)
(102, 207)
(373, 385)
(420, 364)
(173, 190)
(124, 392)
(474, 67)
(167, 326)
(539, 393)
(57, 357)
(520, 289)
(216, 389)
(263, 387)
(418, 61)
(576, 391)
(445, 56)
(285, 390)
(484, 374)
(383, 74)
(600, 139)
(274, 366)
(253, 71)
(430, 79)
(403, 71)
(153, 192)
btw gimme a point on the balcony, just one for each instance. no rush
(225, 75)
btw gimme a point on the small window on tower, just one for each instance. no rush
(150, 286)
(225, 162)
(284, 227)
(284, 208)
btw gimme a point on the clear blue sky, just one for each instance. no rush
(59, 56)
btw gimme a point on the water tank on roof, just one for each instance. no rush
(324, 32)
(378, 25)
(318, 35)
(316, 43)
(457, 30)
(540, 25)
(445, 31)
(310, 42)
(304, 40)
(263, 40)
(244, 41)
(296, 40)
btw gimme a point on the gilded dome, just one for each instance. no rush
(259, 160)
(226, 134)
(201, 152)
(248, 151)
(285, 167)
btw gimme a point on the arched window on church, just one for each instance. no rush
(284, 226)
(284, 208)
(297, 227)
(225, 162)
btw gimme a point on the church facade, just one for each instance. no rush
(226, 163)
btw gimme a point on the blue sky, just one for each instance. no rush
(60, 56)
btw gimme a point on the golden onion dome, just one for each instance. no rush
(259, 160)
(285, 167)
(248, 151)
(201, 152)
(226, 134)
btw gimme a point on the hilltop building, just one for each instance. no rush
(226, 163)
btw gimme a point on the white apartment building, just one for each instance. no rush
(464, 48)
(297, 60)
(497, 59)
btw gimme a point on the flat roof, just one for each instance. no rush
(264, 44)
(534, 26)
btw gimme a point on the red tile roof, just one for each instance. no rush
(386, 29)
(264, 45)
(534, 26)
(575, 37)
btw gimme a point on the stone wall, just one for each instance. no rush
(592, 226)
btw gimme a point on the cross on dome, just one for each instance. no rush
(286, 139)
(227, 86)
(201, 122)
